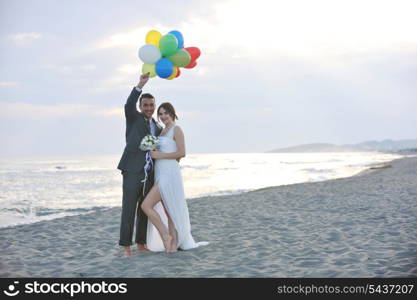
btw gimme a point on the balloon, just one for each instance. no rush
(149, 54)
(194, 52)
(181, 58)
(179, 37)
(149, 68)
(164, 68)
(153, 37)
(174, 74)
(168, 44)
(164, 55)
(191, 65)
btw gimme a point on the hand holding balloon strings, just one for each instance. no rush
(143, 79)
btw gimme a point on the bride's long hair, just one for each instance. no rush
(168, 108)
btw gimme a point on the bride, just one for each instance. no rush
(165, 205)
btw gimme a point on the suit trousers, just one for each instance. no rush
(131, 207)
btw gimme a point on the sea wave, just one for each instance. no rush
(198, 167)
(16, 217)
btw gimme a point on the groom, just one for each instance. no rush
(138, 125)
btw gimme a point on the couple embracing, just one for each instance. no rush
(158, 201)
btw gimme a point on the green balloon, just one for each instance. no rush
(168, 44)
(181, 58)
(149, 68)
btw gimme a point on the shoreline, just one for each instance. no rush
(370, 168)
(358, 226)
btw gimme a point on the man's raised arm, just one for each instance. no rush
(130, 106)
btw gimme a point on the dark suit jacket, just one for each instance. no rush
(133, 159)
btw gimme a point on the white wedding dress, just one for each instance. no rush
(168, 177)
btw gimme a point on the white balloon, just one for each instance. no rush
(149, 54)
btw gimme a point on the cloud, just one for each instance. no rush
(321, 30)
(37, 112)
(303, 28)
(129, 39)
(284, 71)
(24, 38)
(113, 83)
(110, 112)
(128, 68)
(68, 68)
(8, 83)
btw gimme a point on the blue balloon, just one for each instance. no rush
(164, 67)
(179, 37)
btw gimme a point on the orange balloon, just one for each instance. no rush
(174, 74)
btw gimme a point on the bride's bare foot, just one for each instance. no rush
(174, 244)
(167, 239)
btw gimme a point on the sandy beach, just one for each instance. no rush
(361, 226)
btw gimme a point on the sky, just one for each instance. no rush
(271, 74)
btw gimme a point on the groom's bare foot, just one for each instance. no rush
(142, 248)
(128, 253)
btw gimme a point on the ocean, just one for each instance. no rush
(43, 188)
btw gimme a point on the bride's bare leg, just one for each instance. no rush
(173, 234)
(151, 199)
(172, 230)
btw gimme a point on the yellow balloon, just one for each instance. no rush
(153, 37)
(174, 74)
(149, 68)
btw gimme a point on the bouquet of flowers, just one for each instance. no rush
(148, 143)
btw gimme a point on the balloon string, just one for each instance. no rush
(147, 168)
